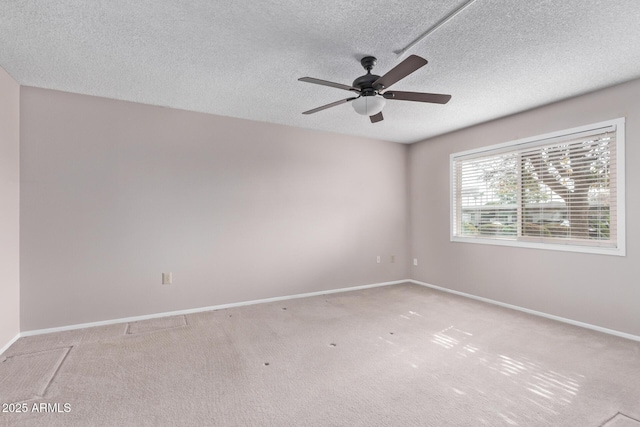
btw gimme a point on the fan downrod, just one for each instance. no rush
(365, 83)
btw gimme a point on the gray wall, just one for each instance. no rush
(9, 208)
(597, 289)
(114, 193)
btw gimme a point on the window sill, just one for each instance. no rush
(544, 246)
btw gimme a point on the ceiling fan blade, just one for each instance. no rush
(435, 98)
(333, 104)
(327, 83)
(376, 118)
(400, 71)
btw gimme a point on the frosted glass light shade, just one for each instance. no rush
(369, 105)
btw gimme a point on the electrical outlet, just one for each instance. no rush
(167, 278)
(378, 259)
(415, 261)
(393, 259)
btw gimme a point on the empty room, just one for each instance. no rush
(278, 213)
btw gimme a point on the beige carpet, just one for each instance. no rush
(400, 355)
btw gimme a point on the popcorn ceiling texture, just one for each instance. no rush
(243, 58)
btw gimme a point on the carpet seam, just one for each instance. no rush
(55, 373)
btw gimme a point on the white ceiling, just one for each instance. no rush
(242, 58)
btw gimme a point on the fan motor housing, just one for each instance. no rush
(365, 83)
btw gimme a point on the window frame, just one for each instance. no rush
(620, 249)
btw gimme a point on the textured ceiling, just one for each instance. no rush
(242, 58)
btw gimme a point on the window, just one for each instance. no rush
(562, 191)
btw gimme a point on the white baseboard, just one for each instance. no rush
(198, 310)
(311, 294)
(9, 344)
(534, 312)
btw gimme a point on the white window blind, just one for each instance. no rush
(557, 191)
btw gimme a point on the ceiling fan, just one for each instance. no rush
(372, 90)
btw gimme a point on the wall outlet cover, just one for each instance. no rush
(167, 278)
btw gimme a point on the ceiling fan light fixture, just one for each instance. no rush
(369, 105)
(368, 101)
